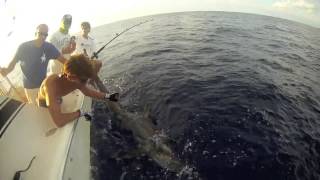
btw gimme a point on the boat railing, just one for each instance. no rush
(8, 89)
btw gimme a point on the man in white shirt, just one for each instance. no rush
(84, 43)
(62, 41)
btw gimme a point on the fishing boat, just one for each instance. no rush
(32, 147)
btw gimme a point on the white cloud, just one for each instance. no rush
(304, 5)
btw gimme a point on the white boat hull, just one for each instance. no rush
(61, 153)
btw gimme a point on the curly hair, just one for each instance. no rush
(79, 65)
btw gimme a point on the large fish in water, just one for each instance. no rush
(145, 134)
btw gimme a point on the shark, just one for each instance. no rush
(145, 134)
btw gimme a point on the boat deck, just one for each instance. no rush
(28, 131)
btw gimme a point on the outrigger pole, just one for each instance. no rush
(95, 54)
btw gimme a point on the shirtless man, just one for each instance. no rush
(76, 73)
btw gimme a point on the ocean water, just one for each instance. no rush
(238, 94)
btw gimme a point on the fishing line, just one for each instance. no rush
(95, 54)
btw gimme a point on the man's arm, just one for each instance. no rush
(62, 59)
(91, 92)
(99, 95)
(5, 71)
(68, 49)
(55, 53)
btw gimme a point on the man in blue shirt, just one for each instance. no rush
(34, 56)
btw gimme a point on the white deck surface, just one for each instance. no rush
(33, 133)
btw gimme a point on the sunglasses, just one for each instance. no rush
(43, 34)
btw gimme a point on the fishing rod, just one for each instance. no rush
(95, 54)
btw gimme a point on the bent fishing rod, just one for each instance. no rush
(95, 54)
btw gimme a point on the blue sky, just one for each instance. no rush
(29, 13)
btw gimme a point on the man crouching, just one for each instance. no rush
(76, 73)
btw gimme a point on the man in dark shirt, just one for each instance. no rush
(34, 56)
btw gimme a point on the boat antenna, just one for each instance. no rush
(95, 54)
